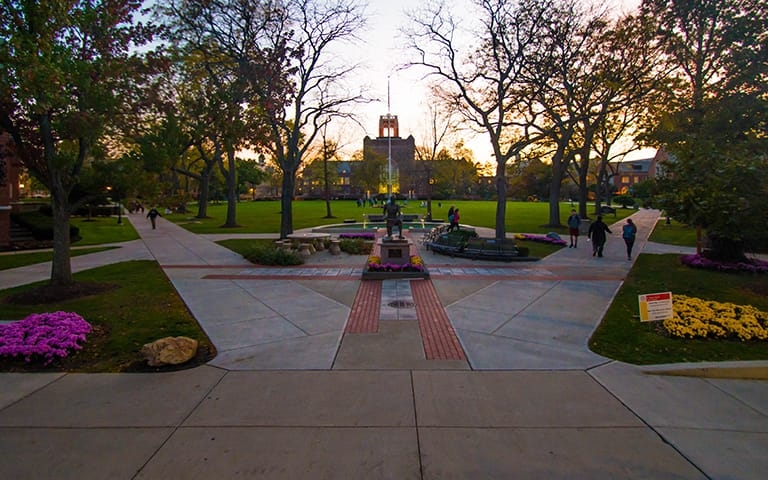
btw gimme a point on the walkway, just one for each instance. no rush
(296, 393)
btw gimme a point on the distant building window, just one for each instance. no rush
(637, 167)
(624, 180)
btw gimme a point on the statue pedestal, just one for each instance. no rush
(395, 251)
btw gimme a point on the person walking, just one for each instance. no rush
(573, 228)
(628, 233)
(152, 216)
(597, 233)
(450, 217)
(454, 221)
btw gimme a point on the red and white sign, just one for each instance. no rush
(655, 306)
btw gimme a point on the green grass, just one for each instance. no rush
(144, 307)
(15, 260)
(97, 231)
(623, 337)
(674, 233)
(264, 216)
(101, 230)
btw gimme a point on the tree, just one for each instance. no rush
(485, 82)
(249, 173)
(309, 31)
(714, 125)
(227, 49)
(71, 71)
(439, 127)
(367, 174)
(626, 79)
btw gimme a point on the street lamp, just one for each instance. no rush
(119, 208)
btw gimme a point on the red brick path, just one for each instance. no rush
(437, 334)
(364, 317)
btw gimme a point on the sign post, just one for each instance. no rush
(655, 306)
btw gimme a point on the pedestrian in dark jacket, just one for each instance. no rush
(597, 233)
(152, 216)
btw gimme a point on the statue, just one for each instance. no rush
(392, 213)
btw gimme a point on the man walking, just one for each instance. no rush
(152, 216)
(597, 233)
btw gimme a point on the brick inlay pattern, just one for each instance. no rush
(437, 333)
(364, 317)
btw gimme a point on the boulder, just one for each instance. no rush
(169, 351)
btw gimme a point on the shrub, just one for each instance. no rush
(41, 225)
(355, 246)
(264, 255)
(623, 200)
(363, 236)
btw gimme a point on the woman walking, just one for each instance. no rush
(628, 233)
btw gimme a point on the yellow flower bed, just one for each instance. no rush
(374, 259)
(697, 318)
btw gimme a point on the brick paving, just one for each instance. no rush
(364, 317)
(437, 334)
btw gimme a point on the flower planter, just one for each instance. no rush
(379, 275)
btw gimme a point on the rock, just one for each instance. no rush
(169, 351)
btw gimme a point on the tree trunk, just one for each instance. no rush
(205, 191)
(231, 175)
(286, 204)
(501, 203)
(555, 186)
(61, 267)
(327, 186)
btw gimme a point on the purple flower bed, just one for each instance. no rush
(47, 335)
(393, 267)
(698, 261)
(364, 236)
(540, 238)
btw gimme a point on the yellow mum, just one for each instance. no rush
(697, 318)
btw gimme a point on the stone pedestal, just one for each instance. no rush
(335, 249)
(395, 251)
(305, 250)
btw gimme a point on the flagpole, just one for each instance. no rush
(389, 146)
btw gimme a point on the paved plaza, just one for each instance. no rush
(480, 372)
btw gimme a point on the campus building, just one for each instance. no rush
(627, 173)
(403, 151)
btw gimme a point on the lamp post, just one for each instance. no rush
(119, 208)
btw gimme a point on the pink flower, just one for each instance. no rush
(47, 335)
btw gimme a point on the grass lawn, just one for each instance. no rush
(101, 230)
(97, 231)
(264, 216)
(15, 260)
(142, 307)
(674, 233)
(622, 336)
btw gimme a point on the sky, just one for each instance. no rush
(408, 98)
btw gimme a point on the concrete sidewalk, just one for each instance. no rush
(284, 399)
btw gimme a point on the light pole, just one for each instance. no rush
(119, 208)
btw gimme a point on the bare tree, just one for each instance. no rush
(440, 125)
(486, 82)
(309, 32)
